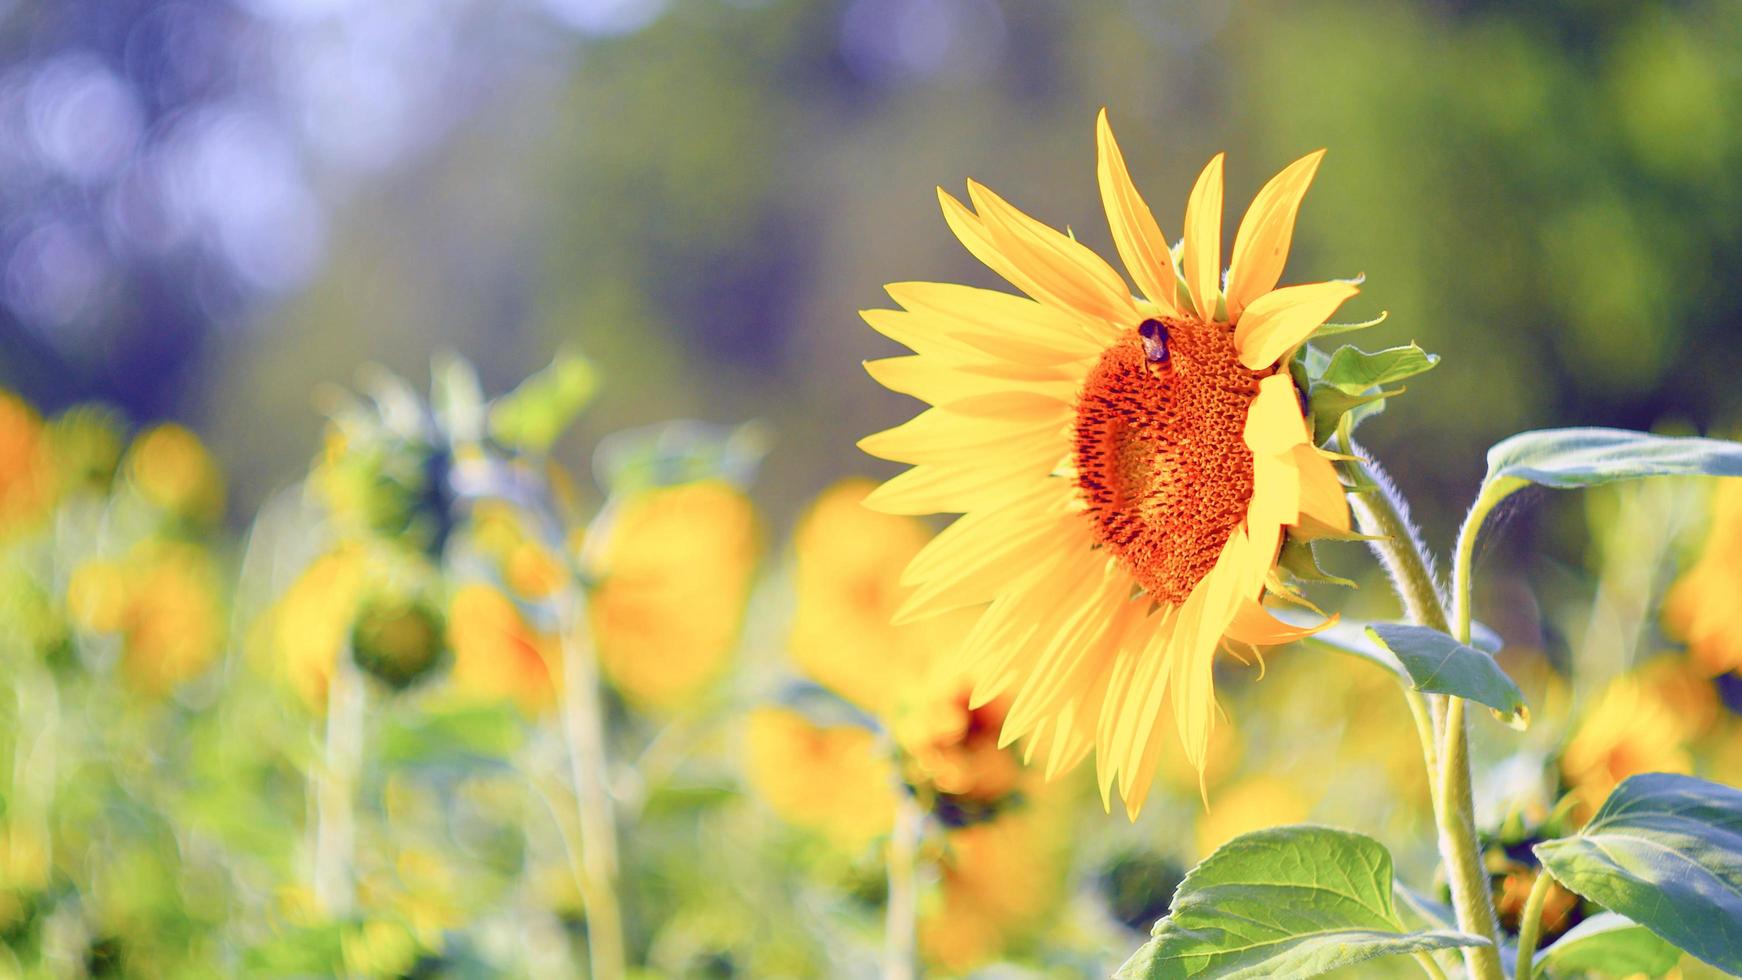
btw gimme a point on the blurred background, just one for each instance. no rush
(217, 212)
(210, 208)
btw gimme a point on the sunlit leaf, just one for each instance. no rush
(534, 415)
(1353, 371)
(1586, 457)
(1609, 945)
(1438, 664)
(1665, 851)
(1285, 902)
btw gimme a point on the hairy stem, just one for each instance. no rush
(1530, 924)
(901, 910)
(583, 725)
(1382, 513)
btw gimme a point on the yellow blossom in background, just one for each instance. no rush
(497, 654)
(528, 567)
(1628, 730)
(1253, 803)
(953, 749)
(26, 467)
(847, 584)
(676, 571)
(309, 626)
(164, 601)
(836, 780)
(998, 883)
(1702, 607)
(171, 467)
(1126, 468)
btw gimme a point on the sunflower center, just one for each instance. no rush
(1161, 453)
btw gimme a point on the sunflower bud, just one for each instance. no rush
(397, 640)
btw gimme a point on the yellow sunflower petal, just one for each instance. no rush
(936, 381)
(1281, 320)
(1064, 269)
(1321, 493)
(1254, 625)
(1135, 234)
(1002, 324)
(1274, 424)
(1192, 650)
(1202, 254)
(1261, 244)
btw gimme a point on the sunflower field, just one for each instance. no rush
(881, 489)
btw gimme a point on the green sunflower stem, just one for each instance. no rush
(583, 726)
(336, 787)
(1530, 924)
(901, 909)
(1381, 512)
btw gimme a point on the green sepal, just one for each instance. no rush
(535, 414)
(1350, 382)
(1297, 558)
(1332, 329)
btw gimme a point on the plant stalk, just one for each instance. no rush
(583, 725)
(901, 911)
(1381, 512)
(1530, 924)
(336, 788)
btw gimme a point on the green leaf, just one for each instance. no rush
(534, 415)
(1298, 559)
(1438, 664)
(1286, 902)
(1327, 406)
(1609, 945)
(460, 735)
(1332, 329)
(678, 452)
(1353, 371)
(1351, 636)
(1568, 458)
(1665, 851)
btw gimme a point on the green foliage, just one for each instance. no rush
(1290, 901)
(1608, 945)
(1438, 664)
(1666, 851)
(1351, 382)
(1587, 457)
(534, 414)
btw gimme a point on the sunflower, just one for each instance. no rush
(1126, 467)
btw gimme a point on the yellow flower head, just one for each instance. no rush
(1701, 606)
(1126, 467)
(998, 882)
(847, 582)
(164, 601)
(86, 442)
(836, 780)
(1629, 730)
(308, 626)
(952, 751)
(26, 468)
(677, 569)
(172, 469)
(527, 566)
(497, 654)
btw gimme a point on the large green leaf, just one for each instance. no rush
(1609, 945)
(1353, 371)
(1665, 851)
(1286, 902)
(1438, 664)
(1569, 458)
(1351, 636)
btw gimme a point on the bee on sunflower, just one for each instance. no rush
(1126, 466)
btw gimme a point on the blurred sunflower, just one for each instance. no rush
(307, 628)
(172, 469)
(998, 882)
(1629, 730)
(26, 466)
(1126, 467)
(835, 780)
(498, 654)
(847, 579)
(1701, 606)
(164, 601)
(676, 569)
